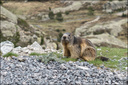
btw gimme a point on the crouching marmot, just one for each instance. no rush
(76, 47)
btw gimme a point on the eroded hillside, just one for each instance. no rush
(75, 14)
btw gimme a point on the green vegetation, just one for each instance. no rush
(114, 54)
(51, 14)
(63, 30)
(42, 40)
(59, 37)
(16, 38)
(58, 30)
(69, 59)
(124, 15)
(50, 57)
(23, 24)
(120, 9)
(35, 54)
(10, 54)
(67, 12)
(1, 2)
(110, 0)
(59, 16)
(90, 11)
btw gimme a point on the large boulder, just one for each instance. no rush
(17, 30)
(9, 15)
(6, 47)
(8, 29)
(106, 40)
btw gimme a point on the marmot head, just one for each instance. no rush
(67, 38)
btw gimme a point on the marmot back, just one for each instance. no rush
(76, 47)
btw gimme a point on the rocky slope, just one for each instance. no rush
(17, 30)
(31, 71)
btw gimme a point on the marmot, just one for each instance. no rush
(76, 47)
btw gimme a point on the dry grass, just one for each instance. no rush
(31, 8)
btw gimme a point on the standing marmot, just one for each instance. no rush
(76, 47)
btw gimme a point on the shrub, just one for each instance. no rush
(58, 30)
(34, 54)
(42, 40)
(59, 16)
(51, 14)
(63, 30)
(1, 2)
(110, 0)
(59, 37)
(49, 57)
(49, 8)
(67, 12)
(124, 15)
(90, 11)
(10, 54)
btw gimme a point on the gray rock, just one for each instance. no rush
(33, 72)
(6, 47)
(8, 14)
(21, 59)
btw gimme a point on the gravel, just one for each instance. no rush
(28, 70)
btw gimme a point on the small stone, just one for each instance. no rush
(21, 59)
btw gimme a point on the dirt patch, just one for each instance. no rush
(31, 8)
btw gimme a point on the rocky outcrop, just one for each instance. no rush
(35, 47)
(74, 5)
(82, 29)
(112, 27)
(106, 40)
(10, 16)
(114, 5)
(8, 28)
(6, 47)
(17, 30)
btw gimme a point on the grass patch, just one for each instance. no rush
(114, 54)
(69, 59)
(10, 54)
(35, 54)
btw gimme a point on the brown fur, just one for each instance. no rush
(76, 47)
